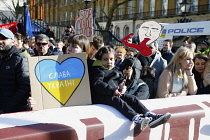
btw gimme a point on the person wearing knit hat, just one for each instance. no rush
(204, 47)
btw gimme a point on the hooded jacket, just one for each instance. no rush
(14, 81)
(135, 85)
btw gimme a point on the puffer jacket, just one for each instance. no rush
(14, 81)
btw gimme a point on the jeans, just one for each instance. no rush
(128, 105)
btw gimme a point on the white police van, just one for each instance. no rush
(197, 31)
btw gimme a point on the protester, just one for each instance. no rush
(206, 76)
(14, 76)
(49, 32)
(32, 45)
(204, 47)
(58, 50)
(131, 69)
(19, 44)
(130, 52)
(95, 46)
(42, 45)
(200, 61)
(177, 79)
(27, 47)
(78, 44)
(166, 52)
(152, 68)
(69, 31)
(191, 46)
(119, 55)
(107, 86)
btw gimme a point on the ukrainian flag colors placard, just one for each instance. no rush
(60, 79)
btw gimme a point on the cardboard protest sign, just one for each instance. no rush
(86, 23)
(58, 81)
(148, 33)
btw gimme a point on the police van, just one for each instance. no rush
(195, 31)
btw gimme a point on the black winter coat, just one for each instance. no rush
(135, 86)
(14, 81)
(104, 82)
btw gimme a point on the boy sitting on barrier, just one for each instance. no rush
(108, 87)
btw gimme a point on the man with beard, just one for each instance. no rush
(14, 76)
(42, 45)
(166, 52)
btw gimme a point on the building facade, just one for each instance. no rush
(126, 18)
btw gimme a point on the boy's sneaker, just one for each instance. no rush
(158, 119)
(142, 122)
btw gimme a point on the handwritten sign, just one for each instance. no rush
(58, 81)
(86, 22)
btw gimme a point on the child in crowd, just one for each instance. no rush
(58, 50)
(131, 52)
(95, 46)
(177, 79)
(119, 55)
(108, 87)
(131, 69)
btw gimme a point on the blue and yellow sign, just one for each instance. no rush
(60, 79)
(163, 34)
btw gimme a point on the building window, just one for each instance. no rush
(164, 7)
(71, 16)
(141, 8)
(66, 16)
(178, 11)
(61, 2)
(194, 6)
(126, 31)
(130, 9)
(61, 17)
(152, 8)
(209, 5)
(71, 2)
(66, 2)
(117, 32)
(120, 12)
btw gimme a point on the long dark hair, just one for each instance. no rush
(104, 50)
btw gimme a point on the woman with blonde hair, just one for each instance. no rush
(177, 79)
(119, 55)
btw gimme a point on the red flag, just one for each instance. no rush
(11, 26)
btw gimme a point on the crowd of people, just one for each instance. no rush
(119, 76)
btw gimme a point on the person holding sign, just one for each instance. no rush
(108, 87)
(78, 44)
(14, 76)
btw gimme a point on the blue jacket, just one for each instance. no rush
(167, 55)
(159, 64)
